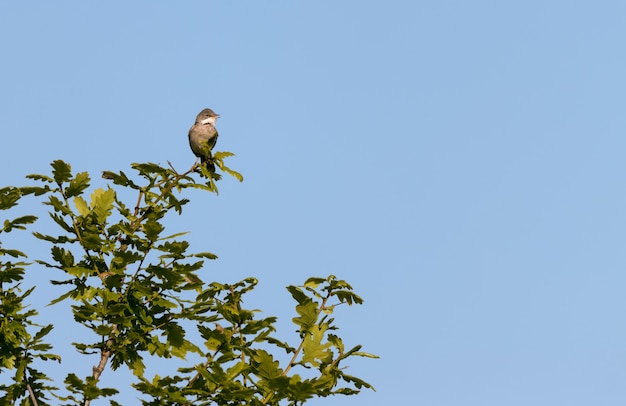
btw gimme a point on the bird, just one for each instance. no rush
(203, 136)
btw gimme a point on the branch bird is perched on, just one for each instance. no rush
(203, 136)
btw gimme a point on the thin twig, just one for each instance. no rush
(97, 370)
(30, 390)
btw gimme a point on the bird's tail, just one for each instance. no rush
(208, 161)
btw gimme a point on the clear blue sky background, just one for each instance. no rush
(460, 163)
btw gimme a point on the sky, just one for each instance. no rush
(460, 164)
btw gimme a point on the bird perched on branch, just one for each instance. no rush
(203, 136)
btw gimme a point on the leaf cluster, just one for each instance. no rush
(137, 289)
(20, 346)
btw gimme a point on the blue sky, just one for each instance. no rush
(460, 163)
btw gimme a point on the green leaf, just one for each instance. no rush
(280, 344)
(79, 271)
(9, 197)
(207, 255)
(77, 185)
(24, 220)
(102, 203)
(235, 370)
(335, 284)
(35, 190)
(61, 298)
(297, 294)
(17, 223)
(337, 342)
(174, 249)
(120, 179)
(81, 206)
(152, 229)
(345, 296)
(364, 354)
(13, 253)
(314, 282)
(359, 383)
(213, 339)
(266, 367)
(308, 315)
(123, 258)
(55, 240)
(169, 237)
(74, 383)
(61, 171)
(103, 330)
(222, 154)
(232, 173)
(62, 256)
(314, 352)
(201, 186)
(61, 222)
(42, 178)
(175, 334)
(147, 169)
(42, 332)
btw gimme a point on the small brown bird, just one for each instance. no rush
(203, 136)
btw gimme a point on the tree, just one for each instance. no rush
(139, 292)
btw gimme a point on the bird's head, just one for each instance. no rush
(207, 116)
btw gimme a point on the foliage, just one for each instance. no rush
(18, 348)
(137, 290)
